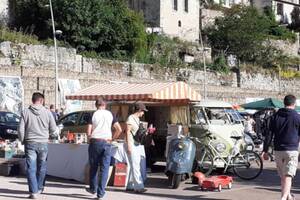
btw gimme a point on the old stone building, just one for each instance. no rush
(282, 10)
(229, 3)
(175, 18)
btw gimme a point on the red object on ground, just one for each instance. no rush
(217, 182)
(120, 175)
(200, 176)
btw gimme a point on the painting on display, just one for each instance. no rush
(69, 86)
(11, 94)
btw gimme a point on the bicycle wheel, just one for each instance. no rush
(205, 161)
(247, 165)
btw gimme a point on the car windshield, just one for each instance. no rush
(6, 117)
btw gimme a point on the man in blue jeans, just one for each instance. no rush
(36, 124)
(100, 134)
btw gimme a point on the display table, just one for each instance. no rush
(70, 161)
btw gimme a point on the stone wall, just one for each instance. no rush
(35, 65)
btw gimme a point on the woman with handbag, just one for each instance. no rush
(134, 139)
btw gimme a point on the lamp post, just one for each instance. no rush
(204, 63)
(55, 55)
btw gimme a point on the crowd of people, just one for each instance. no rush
(38, 124)
(280, 128)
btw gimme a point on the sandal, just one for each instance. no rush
(292, 197)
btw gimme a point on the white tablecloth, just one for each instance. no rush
(70, 161)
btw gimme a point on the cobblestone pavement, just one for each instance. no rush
(265, 187)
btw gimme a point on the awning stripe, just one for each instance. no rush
(167, 92)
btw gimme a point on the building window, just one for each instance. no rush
(186, 5)
(175, 5)
(179, 23)
(279, 9)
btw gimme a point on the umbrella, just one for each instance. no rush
(265, 104)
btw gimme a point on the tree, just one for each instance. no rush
(104, 26)
(241, 32)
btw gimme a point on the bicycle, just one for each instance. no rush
(246, 164)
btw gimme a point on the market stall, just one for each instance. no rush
(167, 104)
(72, 162)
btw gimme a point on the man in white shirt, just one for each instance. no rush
(100, 134)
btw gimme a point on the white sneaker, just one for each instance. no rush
(33, 196)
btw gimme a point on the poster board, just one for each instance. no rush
(66, 87)
(11, 94)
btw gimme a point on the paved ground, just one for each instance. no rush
(265, 187)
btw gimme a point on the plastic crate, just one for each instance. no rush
(120, 175)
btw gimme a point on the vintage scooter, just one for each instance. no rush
(180, 160)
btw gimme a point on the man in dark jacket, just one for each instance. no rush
(284, 129)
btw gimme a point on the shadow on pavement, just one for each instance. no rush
(73, 196)
(164, 195)
(277, 190)
(12, 193)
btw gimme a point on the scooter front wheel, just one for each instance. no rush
(176, 179)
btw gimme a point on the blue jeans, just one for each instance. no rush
(99, 154)
(36, 165)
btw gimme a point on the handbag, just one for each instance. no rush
(140, 135)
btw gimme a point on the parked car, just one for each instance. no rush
(75, 122)
(9, 123)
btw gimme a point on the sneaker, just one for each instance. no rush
(40, 191)
(89, 190)
(140, 191)
(33, 196)
(98, 198)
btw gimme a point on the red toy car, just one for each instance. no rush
(217, 182)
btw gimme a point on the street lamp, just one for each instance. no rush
(204, 63)
(55, 54)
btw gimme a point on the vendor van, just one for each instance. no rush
(219, 119)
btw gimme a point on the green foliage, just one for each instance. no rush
(289, 74)
(105, 26)
(242, 32)
(219, 65)
(162, 50)
(17, 37)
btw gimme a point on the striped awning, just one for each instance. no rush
(154, 92)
